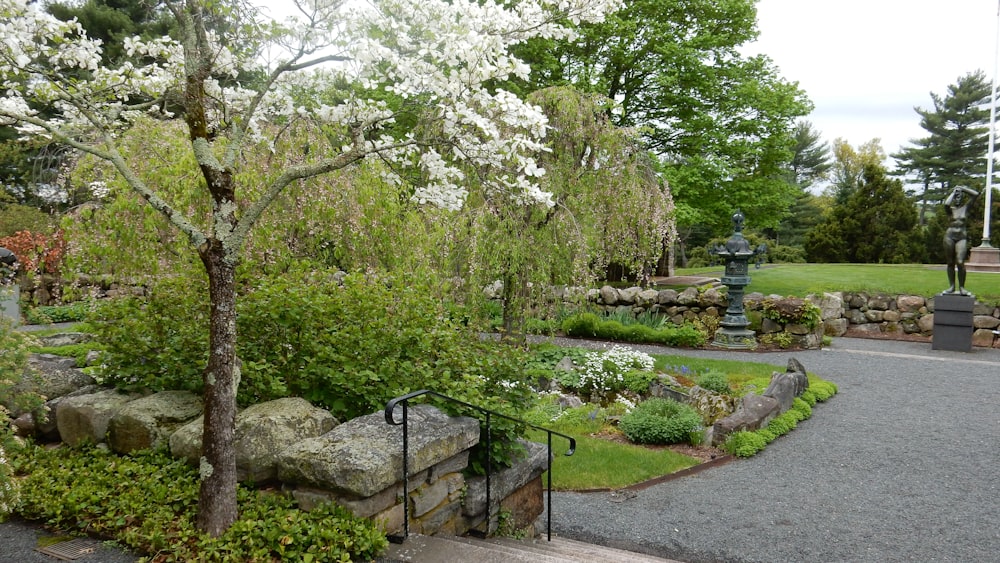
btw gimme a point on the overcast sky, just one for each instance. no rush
(865, 64)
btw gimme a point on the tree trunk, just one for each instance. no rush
(217, 509)
(514, 301)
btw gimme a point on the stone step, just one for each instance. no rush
(574, 550)
(448, 549)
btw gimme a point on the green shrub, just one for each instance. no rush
(638, 381)
(148, 503)
(807, 314)
(348, 347)
(159, 342)
(809, 397)
(714, 381)
(15, 348)
(801, 407)
(13, 363)
(660, 421)
(47, 314)
(589, 325)
(784, 254)
(822, 389)
(744, 443)
(582, 325)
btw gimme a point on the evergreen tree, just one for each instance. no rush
(112, 21)
(954, 152)
(810, 163)
(875, 224)
(811, 158)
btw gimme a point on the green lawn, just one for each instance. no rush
(604, 464)
(802, 279)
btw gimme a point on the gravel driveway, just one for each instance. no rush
(900, 465)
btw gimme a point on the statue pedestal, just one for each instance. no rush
(953, 322)
(10, 303)
(983, 259)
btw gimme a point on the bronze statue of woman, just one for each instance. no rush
(956, 244)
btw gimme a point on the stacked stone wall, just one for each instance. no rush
(859, 313)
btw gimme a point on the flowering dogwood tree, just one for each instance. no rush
(442, 53)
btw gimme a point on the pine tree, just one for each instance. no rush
(875, 224)
(954, 152)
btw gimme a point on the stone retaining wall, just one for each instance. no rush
(860, 312)
(357, 464)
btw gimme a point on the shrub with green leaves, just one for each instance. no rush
(13, 362)
(583, 325)
(148, 502)
(589, 325)
(744, 443)
(660, 421)
(638, 381)
(714, 381)
(46, 314)
(348, 346)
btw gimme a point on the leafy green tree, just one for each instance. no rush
(719, 120)
(847, 173)
(875, 224)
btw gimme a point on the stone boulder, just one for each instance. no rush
(910, 303)
(647, 297)
(64, 339)
(714, 297)
(85, 418)
(148, 422)
(835, 327)
(666, 297)
(926, 324)
(364, 456)
(754, 413)
(985, 321)
(48, 376)
(688, 297)
(788, 307)
(41, 424)
(881, 301)
(609, 295)
(785, 387)
(831, 305)
(262, 432)
(629, 295)
(710, 405)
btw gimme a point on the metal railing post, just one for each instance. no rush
(390, 408)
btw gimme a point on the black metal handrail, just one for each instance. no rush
(390, 408)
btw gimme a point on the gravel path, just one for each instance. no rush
(900, 465)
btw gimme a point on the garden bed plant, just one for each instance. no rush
(604, 399)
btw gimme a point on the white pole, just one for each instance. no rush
(989, 153)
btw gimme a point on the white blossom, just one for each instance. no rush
(440, 52)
